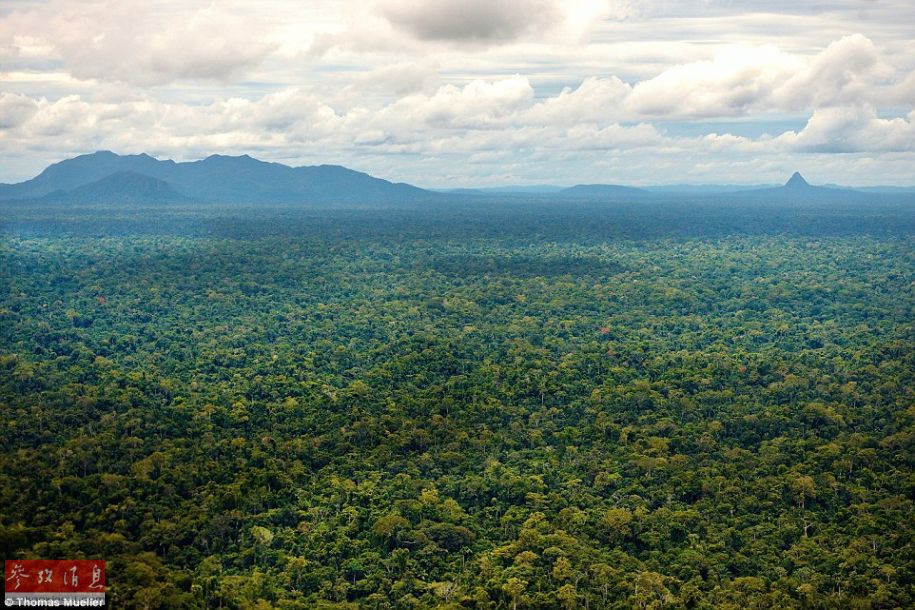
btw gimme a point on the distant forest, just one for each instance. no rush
(490, 405)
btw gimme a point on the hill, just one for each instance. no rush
(602, 191)
(120, 187)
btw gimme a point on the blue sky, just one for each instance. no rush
(446, 93)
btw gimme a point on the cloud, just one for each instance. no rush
(615, 137)
(8, 51)
(742, 81)
(734, 83)
(595, 100)
(367, 34)
(15, 110)
(485, 22)
(439, 27)
(130, 41)
(399, 79)
(848, 71)
(851, 130)
(902, 92)
(477, 104)
(472, 20)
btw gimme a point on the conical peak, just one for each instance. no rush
(796, 181)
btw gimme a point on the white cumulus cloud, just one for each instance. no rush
(852, 129)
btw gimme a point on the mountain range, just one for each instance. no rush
(105, 177)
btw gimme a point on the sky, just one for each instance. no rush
(453, 93)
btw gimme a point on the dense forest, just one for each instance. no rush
(503, 404)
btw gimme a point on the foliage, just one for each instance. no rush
(477, 407)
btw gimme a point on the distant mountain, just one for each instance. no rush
(217, 178)
(120, 187)
(602, 191)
